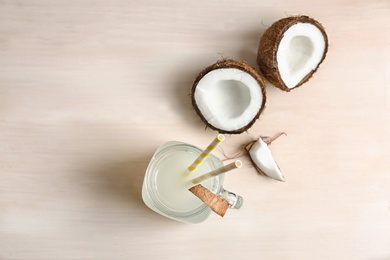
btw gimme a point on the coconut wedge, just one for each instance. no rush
(217, 204)
(291, 50)
(229, 96)
(263, 160)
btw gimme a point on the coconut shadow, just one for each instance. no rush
(248, 51)
(182, 89)
(250, 38)
(186, 73)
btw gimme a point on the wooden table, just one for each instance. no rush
(90, 89)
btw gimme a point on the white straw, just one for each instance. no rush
(223, 169)
(205, 153)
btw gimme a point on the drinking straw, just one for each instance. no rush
(205, 153)
(223, 169)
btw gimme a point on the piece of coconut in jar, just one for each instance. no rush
(262, 158)
(217, 204)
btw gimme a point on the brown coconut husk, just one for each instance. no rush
(229, 63)
(269, 44)
(217, 204)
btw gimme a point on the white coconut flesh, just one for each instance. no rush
(262, 157)
(300, 51)
(228, 98)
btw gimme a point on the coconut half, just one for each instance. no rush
(263, 160)
(291, 50)
(229, 96)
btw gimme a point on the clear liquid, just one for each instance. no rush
(172, 184)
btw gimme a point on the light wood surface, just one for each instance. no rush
(90, 89)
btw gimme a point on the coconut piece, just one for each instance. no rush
(291, 50)
(263, 160)
(217, 204)
(229, 96)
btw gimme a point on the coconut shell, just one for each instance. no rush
(229, 63)
(217, 204)
(269, 44)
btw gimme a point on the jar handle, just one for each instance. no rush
(235, 201)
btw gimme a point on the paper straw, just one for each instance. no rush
(223, 169)
(205, 153)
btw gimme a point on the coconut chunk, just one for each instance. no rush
(291, 50)
(229, 96)
(262, 157)
(217, 204)
(300, 52)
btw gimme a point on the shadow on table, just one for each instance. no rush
(121, 182)
(185, 74)
(182, 83)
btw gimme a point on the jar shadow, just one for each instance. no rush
(120, 183)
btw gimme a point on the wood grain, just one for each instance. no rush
(90, 89)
